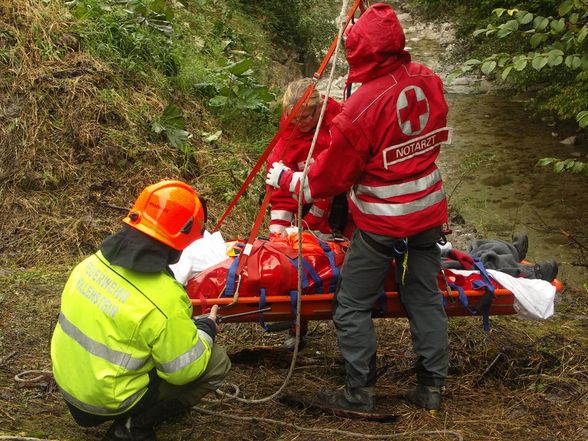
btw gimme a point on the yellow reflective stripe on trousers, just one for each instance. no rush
(99, 349)
(188, 357)
(394, 209)
(95, 410)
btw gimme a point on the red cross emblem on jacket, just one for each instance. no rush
(412, 110)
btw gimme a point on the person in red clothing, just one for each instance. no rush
(384, 144)
(292, 150)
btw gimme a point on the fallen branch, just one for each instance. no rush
(8, 357)
(489, 368)
(573, 239)
(409, 435)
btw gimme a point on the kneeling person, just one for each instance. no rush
(125, 347)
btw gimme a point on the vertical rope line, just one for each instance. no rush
(341, 21)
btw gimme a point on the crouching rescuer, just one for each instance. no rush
(125, 347)
(384, 145)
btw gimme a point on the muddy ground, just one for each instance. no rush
(521, 381)
(524, 380)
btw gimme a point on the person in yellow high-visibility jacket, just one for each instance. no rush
(125, 347)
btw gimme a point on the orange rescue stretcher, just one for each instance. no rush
(269, 280)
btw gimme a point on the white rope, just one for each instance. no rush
(43, 374)
(342, 22)
(23, 438)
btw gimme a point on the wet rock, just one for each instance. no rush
(570, 140)
(403, 17)
(463, 81)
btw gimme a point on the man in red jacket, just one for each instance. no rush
(383, 149)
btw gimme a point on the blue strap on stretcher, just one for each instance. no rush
(463, 298)
(489, 287)
(294, 262)
(311, 271)
(485, 283)
(262, 303)
(331, 256)
(293, 300)
(230, 286)
(232, 273)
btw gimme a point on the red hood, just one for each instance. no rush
(375, 44)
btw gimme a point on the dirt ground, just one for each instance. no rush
(524, 380)
(521, 381)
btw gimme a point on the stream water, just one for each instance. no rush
(490, 168)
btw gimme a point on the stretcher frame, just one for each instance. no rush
(319, 306)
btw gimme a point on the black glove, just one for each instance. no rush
(206, 324)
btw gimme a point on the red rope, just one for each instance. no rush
(266, 154)
(317, 75)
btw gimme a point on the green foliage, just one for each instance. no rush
(468, 15)
(173, 125)
(176, 47)
(568, 165)
(298, 24)
(555, 44)
(234, 89)
(563, 99)
(582, 118)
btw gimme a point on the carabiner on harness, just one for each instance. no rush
(400, 246)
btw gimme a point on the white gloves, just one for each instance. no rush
(274, 174)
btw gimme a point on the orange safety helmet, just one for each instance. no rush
(170, 212)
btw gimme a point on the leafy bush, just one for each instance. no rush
(235, 89)
(173, 125)
(550, 42)
(301, 25)
(558, 44)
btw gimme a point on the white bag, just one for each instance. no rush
(199, 255)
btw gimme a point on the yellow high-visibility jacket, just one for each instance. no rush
(116, 325)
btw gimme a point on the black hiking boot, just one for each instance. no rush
(427, 397)
(123, 430)
(521, 243)
(546, 270)
(362, 399)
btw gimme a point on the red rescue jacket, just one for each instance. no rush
(292, 149)
(385, 141)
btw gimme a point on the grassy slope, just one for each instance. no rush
(76, 114)
(75, 134)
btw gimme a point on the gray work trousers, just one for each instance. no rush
(362, 280)
(191, 393)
